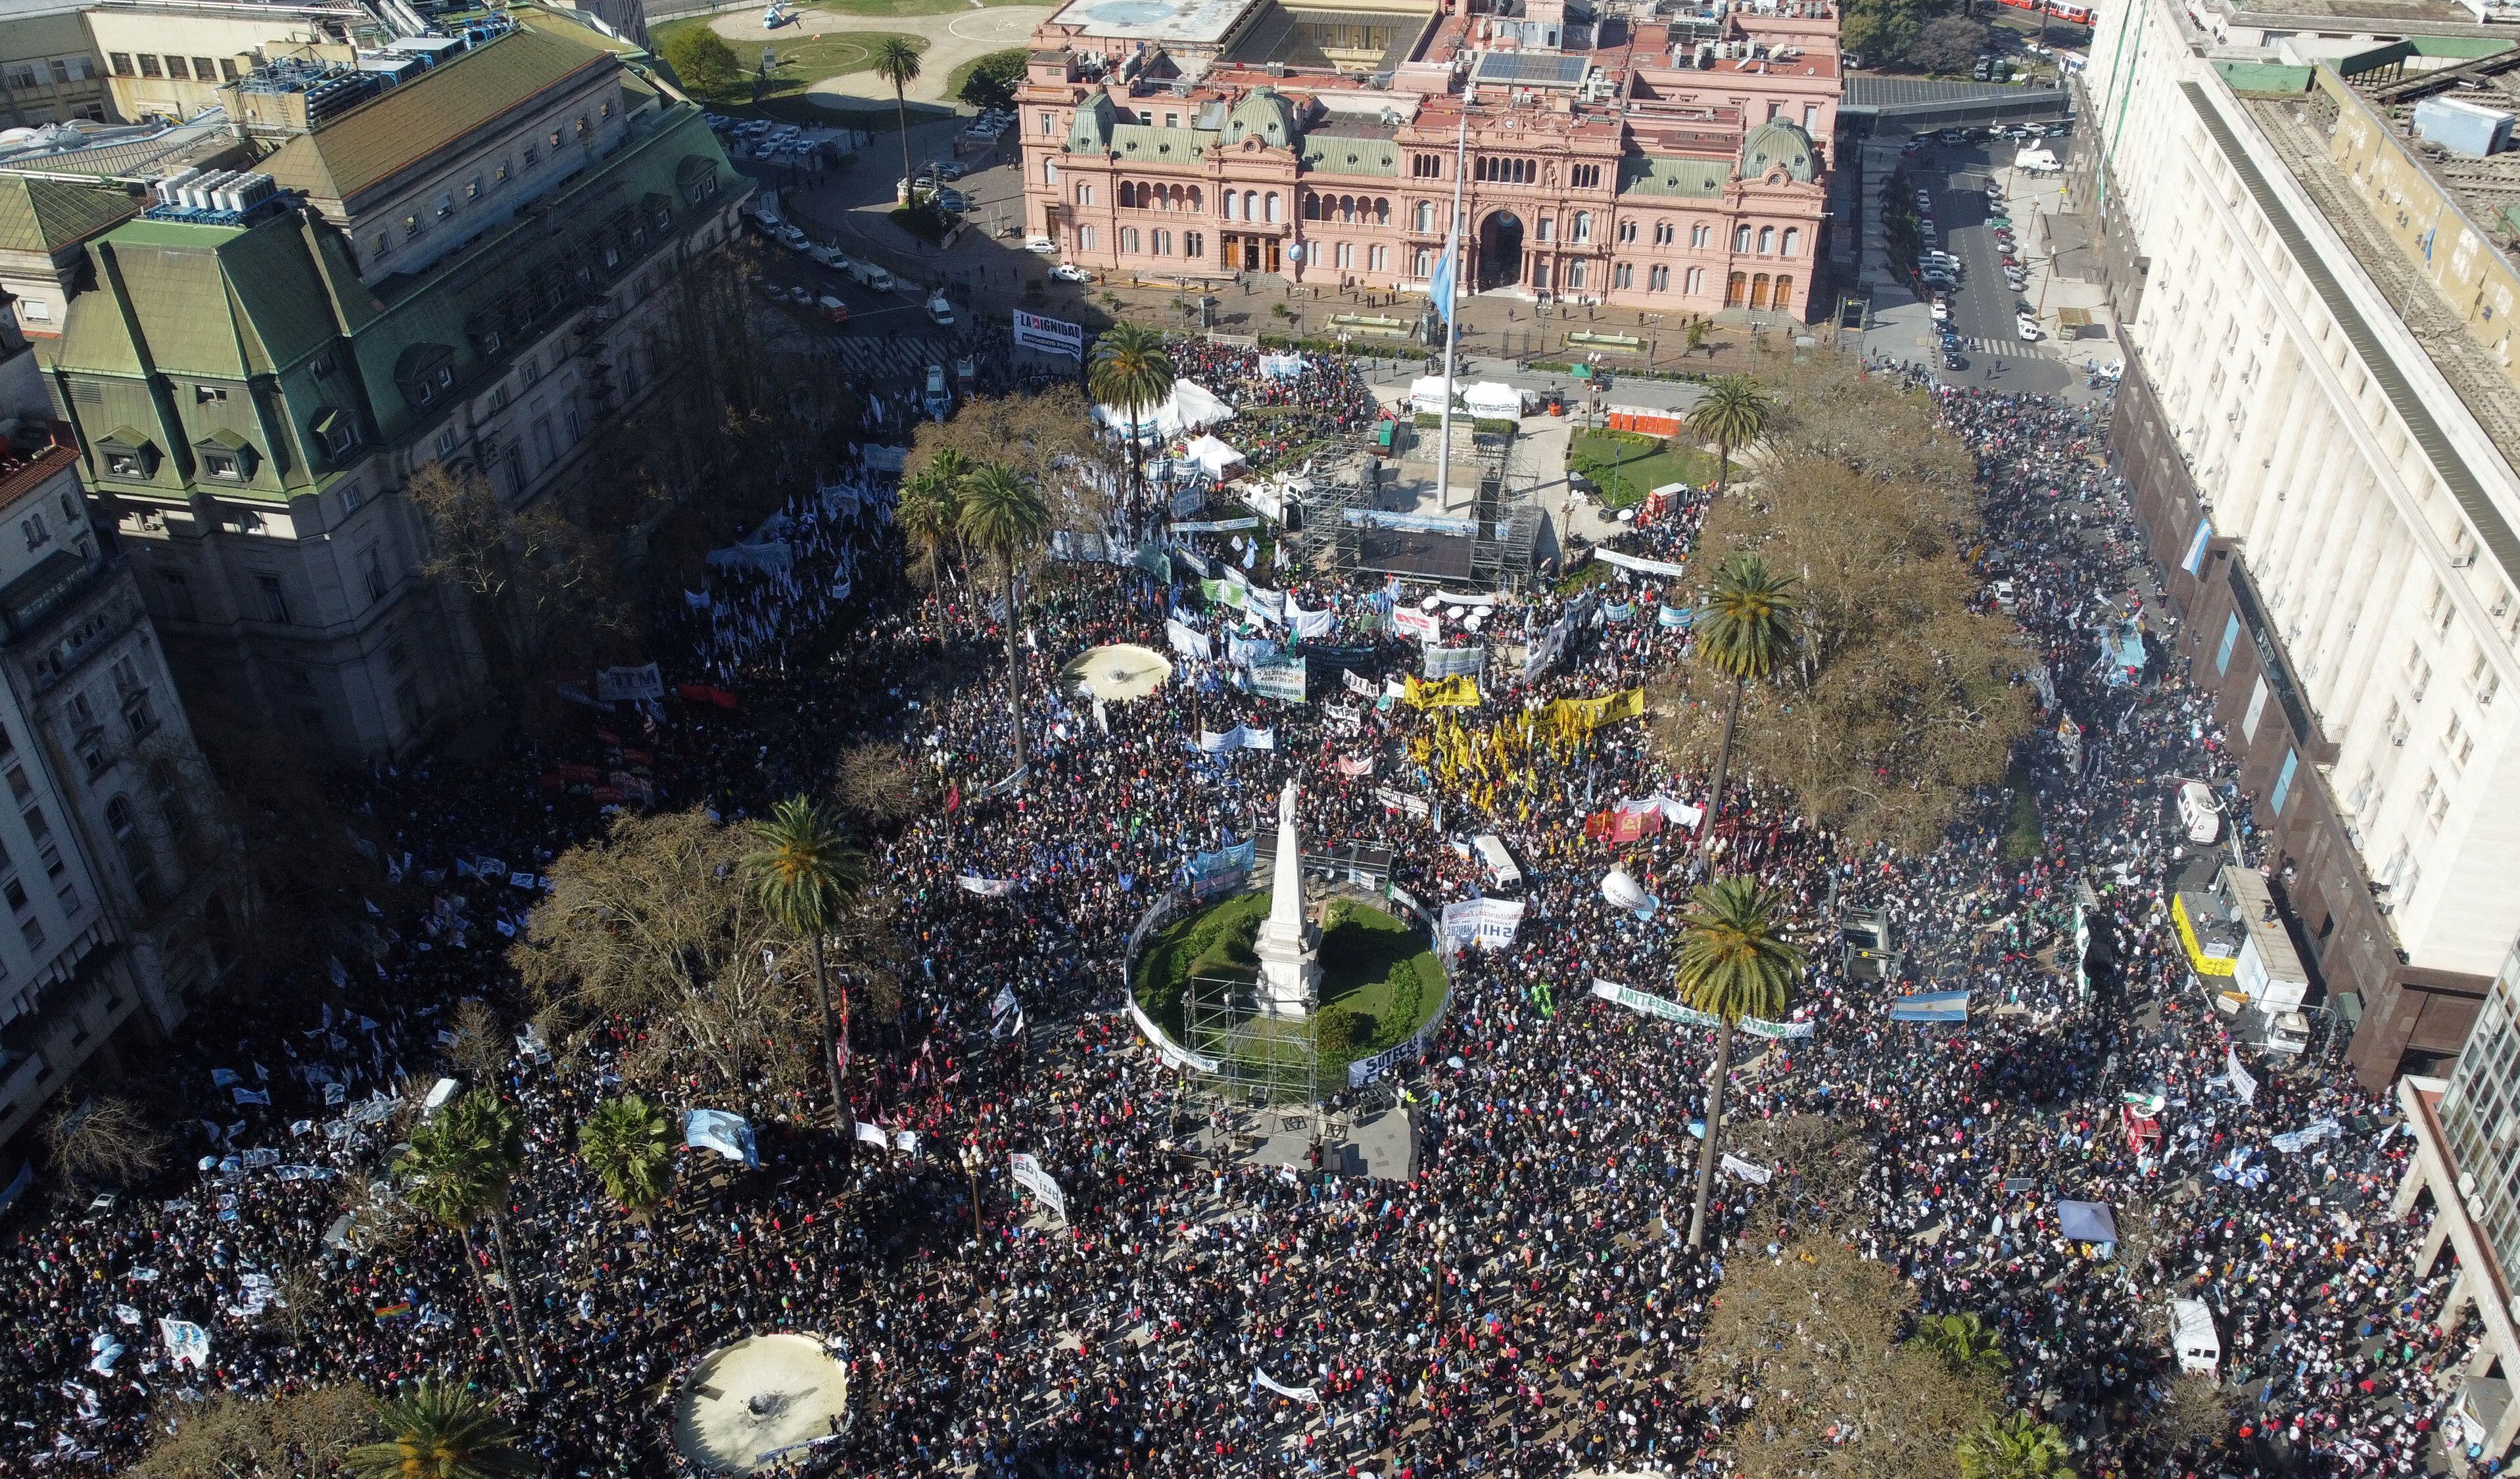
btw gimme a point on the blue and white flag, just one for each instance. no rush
(1440, 287)
(729, 1134)
(1931, 1007)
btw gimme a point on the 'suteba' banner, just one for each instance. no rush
(1048, 334)
(1031, 1177)
(1448, 663)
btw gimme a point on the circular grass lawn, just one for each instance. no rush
(1381, 979)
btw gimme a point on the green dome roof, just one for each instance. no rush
(1266, 116)
(1776, 144)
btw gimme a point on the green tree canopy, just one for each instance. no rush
(702, 59)
(1733, 412)
(628, 1144)
(2015, 1446)
(993, 79)
(440, 1429)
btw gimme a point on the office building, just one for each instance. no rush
(463, 254)
(2318, 421)
(1677, 165)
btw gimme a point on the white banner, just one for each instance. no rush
(1033, 1178)
(1363, 687)
(1310, 624)
(2242, 1082)
(614, 684)
(872, 1135)
(1213, 525)
(1757, 1175)
(1048, 334)
(1409, 621)
(1189, 641)
(1298, 1394)
(1240, 737)
(1176, 1057)
(1395, 800)
(1452, 662)
(1489, 924)
(1282, 679)
(1663, 567)
(1673, 1012)
(986, 888)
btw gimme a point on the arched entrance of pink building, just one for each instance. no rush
(1499, 264)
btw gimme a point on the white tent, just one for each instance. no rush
(1426, 394)
(1493, 398)
(1192, 407)
(1214, 457)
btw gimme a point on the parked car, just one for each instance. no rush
(1942, 311)
(834, 309)
(1041, 244)
(1070, 272)
(1951, 360)
(2029, 329)
(940, 311)
(954, 201)
(951, 170)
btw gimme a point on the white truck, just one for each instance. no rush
(869, 276)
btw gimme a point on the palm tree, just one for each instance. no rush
(1748, 630)
(896, 62)
(806, 877)
(1966, 1341)
(2018, 1447)
(1733, 412)
(461, 1163)
(438, 1429)
(1131, 370)
(928, 510)
(1005, 517)
(628, 1145)
(1733, 964)
(1699, 329)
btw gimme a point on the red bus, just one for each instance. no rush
(2075, 15)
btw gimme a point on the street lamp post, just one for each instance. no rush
(971, 1160)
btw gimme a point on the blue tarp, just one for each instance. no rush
(1932, 1007)
(2086, 1222)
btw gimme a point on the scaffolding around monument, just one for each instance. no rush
(1260, 1057)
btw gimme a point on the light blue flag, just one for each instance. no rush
(1441, 286)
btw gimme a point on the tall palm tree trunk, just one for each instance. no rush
(1714, 1128)
(516, 1301)
(1015, 668)
(901, 110)
(489, 1306)
(1723, 460)
(1137, 465)
(1723, 763)
(832, 1053)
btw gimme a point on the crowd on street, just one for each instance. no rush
(1521, 1302)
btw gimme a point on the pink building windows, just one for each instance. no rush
(1792, 243)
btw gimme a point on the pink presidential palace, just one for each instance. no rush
(1676, 164)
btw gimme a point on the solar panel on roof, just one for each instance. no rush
(1532, 67)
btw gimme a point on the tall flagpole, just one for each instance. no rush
(1451, 273)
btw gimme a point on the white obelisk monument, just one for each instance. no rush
(1289, 947)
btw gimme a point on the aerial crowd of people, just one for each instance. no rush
(1512, 1295)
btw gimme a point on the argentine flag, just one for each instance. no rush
(1440, 287)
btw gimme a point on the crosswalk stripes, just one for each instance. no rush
(884, 360)
(2004, 348)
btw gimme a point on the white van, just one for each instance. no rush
(2192, 1338)
(1501, 869)
(2201, 816)
(869, 276)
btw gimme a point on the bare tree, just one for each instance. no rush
(542, 587)
(1813, 1339)
(878, 782)
(104, 1139)
(229, 1436)
(480, 1048)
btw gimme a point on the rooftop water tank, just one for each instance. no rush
(2463, 127)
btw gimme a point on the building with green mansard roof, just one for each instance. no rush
(248, 398)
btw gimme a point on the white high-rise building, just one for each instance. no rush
(2320, 421)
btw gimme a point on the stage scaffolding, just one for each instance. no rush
(1260, 1058)
(1496, 533)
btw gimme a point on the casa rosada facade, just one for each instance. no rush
(1658, 173)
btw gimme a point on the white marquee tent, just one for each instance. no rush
(1192, 407)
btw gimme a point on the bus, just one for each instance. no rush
(2072, 15)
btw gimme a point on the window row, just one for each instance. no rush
(150, 64)
(1152, 196)
(1350, 208)
(1158, 243)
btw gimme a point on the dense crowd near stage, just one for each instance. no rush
(1518, 1300)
